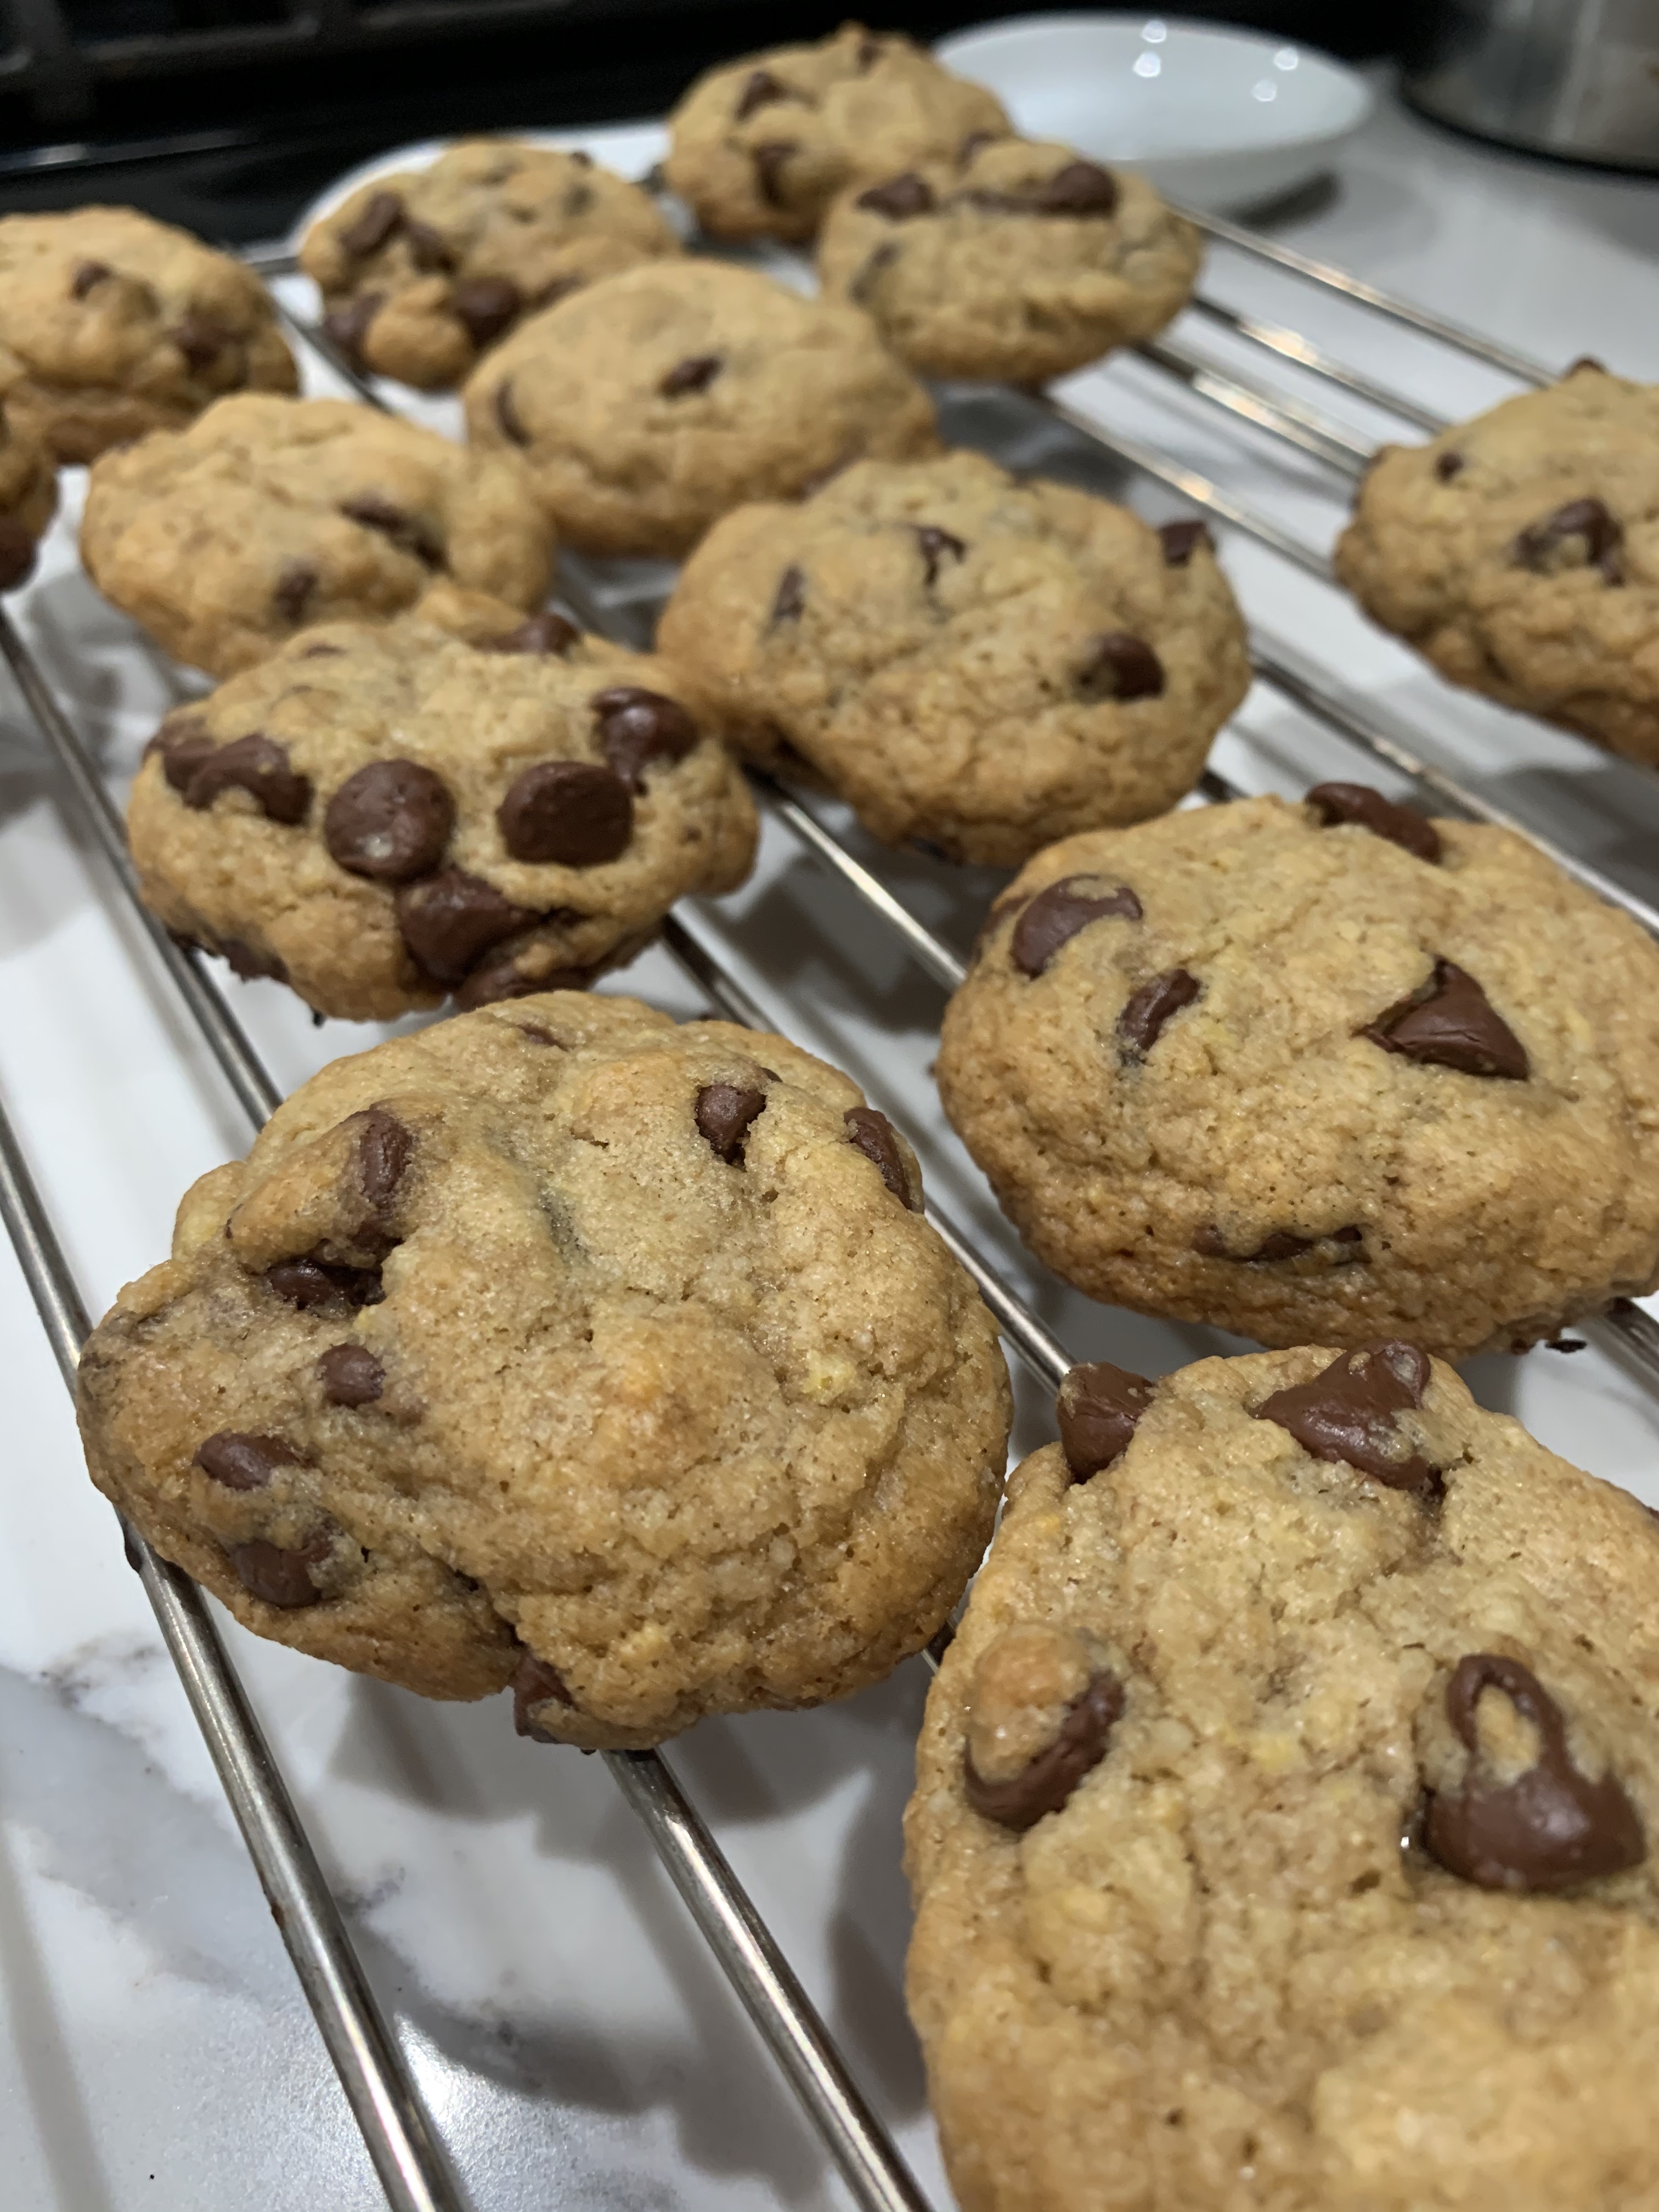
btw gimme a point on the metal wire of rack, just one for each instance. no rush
(407, 2157)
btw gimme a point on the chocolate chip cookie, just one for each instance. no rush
(270, 515)
(1520, 552)
(655, 401)
(559, 1346)
(759, 147)
(1285, 1811)
(28, 500)
(381, 815)
(1318, 1073)
(111, 324)
(423, 271)
(968, 659)
(1017, 261)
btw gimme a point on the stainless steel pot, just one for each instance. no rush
(1576, 77)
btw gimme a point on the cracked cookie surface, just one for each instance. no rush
(378, 815)
(112, 326)
(564, 1346)
(1207, 1682)
(1264, 1066)
(423, 271)
(1520, 552)
(268, 516)
(978, 662)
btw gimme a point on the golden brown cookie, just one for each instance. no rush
(1317, 1073)
(28, 500)
(1283, 1832)
(1520, 552)
(561, 1347)
(113, 324)
(967, 659)
(759, 147)
(422, 271)
(268, 516)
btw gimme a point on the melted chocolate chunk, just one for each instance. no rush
(1121, 667)
(1452, 1024)
(506, 414)
(1080, 188)
(1359, 803)
(637, 727)
(873, 1134)
(1542, 546)
(933, 545)
(240, 1461)
(901, 198)
(760, 89)
(1180, 540)
(385, 1148)
(1448, 465)
(280, 1577)
(294, 589)
(257, 765)
(408, 532)
(89, 275)
(495, 979)
(1055, 916)
(791, 595)
(382, 214)
(1551, 1827)
(428, 249)
(390, 821)
(1146, 1011)
(724, 1112)
(536, 1683)
(248, 963)
(542, 633)
(449, 921)
(485, 306)
(1053, 1774)
(1347, 1412)
(768, 159)
(351, 1375)
(16, 553)
(573, 813)
(183, 743)
(347, 327)
(309, 1284)
(872, 266)
(200, 339)
(695, 374)
(1098, 1409)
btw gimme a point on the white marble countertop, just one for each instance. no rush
(574, 2041)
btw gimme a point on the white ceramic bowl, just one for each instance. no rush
(1216, 118)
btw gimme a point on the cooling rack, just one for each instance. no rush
(1279, 421)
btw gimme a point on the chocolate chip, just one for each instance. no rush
(257, 765)
(428, 249)
(308, 1283)
(351, 1375)
(280, 1577)
(872, 266)
(1098, 1409)
(1448, 465)
(16, 553)
(1120, 666)
(1049, 1779)
(1180, 540)
(542, 633)
(240, 1461)
(791, 597)
(1359, 803)
(760, 89)
(494, 981)
(1280, 1245)
(1452, 1024)
(724, 1112)
(200, 339)
(487, 306)
(408, 532)
(873, 1135)
(1551, 1827)
(1055, 916)
(637, 727)
(347, 327)
(1080, 188)
(294, 588)
(934, 544)
(572, 812)
(1146, 1010)
(86, 276)
(183, 743)
(248, 962)
(901, 198)
(506, 414)
(369, 229)
(536, 1683)
(390, 821)
(695, 373)
(578, 200)
(449, 921)
(1588, 521)
(768, 159)
(384, 1147)
(1347, 1412)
